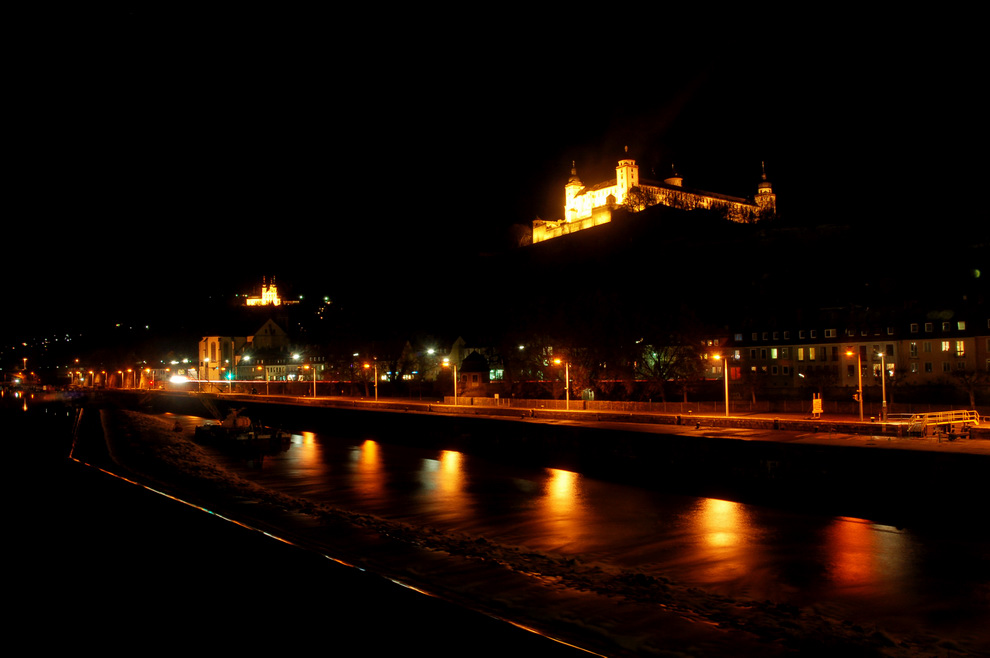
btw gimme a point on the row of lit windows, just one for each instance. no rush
(929, 367)
(946, 326)
(959, 325)
(814, 353)
(803, 334)
(956, 346)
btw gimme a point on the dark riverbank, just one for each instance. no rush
(118, 565)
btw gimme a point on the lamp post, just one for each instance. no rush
(725, 373)
(567, 384)
(376, 381)
(859, 373)
(313, 368)
(883, 386)
(446, 364)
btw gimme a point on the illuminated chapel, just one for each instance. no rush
(586, 206)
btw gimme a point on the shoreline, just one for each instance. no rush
(442, 562)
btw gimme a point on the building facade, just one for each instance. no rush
(926, 351)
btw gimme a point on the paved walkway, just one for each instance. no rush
(829, 429)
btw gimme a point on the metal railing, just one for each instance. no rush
(919, 422)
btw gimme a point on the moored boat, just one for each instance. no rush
(237, 428)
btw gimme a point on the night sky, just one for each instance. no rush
(162, 153)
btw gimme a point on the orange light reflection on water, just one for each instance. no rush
(725, 542)
(370, 479)
(561, 506)
(450, 476)
(865, 555)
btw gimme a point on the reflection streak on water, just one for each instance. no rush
(369, 478)
(562, 517)
(867, 557)
(726, 546)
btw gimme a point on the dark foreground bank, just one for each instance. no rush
(117, 566)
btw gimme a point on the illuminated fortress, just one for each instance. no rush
(585, 207)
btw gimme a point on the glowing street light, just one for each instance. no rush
(859, 372)
(725, 371)
(447, 364)
(883, 386)
(313, 368)
(366, 366)
(567, 384)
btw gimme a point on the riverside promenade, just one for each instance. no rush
(788, 427)
(836, 465)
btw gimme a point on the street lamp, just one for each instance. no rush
(859, 372)
(366, 366)
(567, 384)
(446, 364)
(883, 386)
(725, 372)
(313, 368)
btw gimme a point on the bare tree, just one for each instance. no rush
(639, 198)
(673, 360)
(970, 381)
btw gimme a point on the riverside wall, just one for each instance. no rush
(874, 480)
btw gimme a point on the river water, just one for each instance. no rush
(934, 577)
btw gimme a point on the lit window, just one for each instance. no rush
(961, 325)
(946, 346)
(960, 348)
